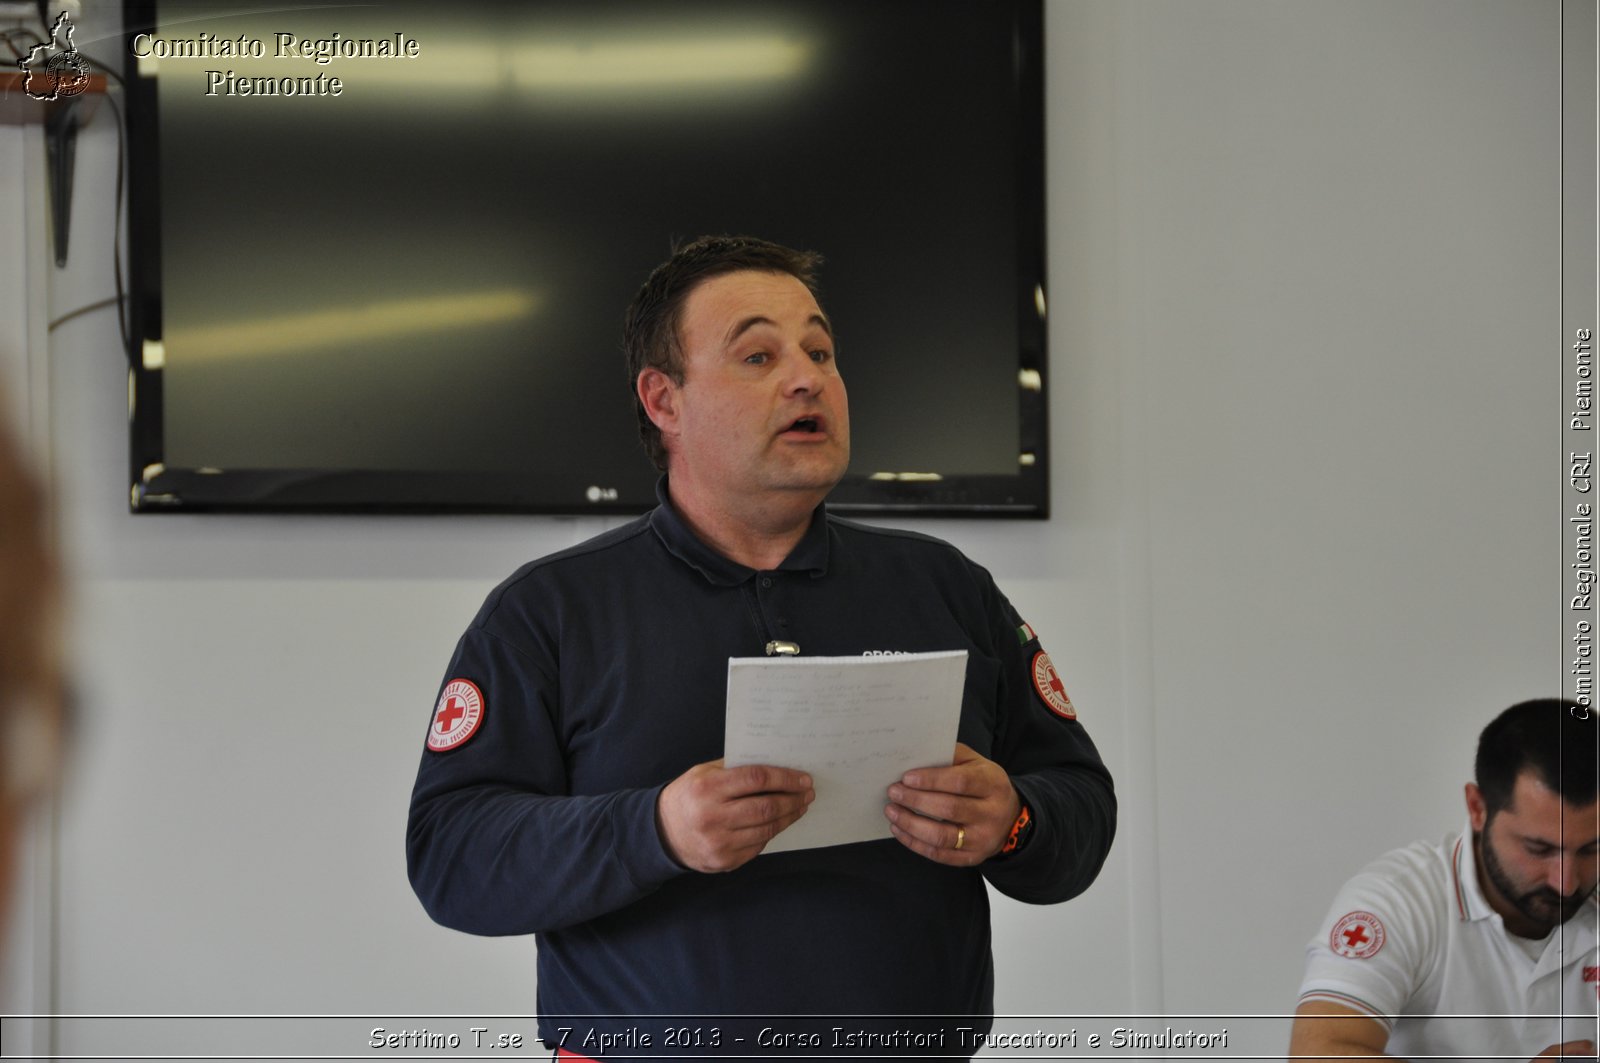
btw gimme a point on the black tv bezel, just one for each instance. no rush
(157, 488)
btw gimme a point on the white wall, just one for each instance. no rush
(1306, 407)
(1347, 294)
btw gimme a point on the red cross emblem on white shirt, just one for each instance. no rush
(1357, 936)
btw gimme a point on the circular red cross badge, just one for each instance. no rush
(1048, 684)
(1358, 936)
(457, 716)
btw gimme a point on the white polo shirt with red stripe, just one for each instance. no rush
(1412, 942)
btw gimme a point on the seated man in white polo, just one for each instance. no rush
(1488, 943)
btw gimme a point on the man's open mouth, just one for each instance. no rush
(804, 424)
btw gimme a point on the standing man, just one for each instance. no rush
(572, 785)
(1485, 944)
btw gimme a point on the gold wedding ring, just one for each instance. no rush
(961, 837)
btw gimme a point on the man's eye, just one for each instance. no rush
(821, 355)
(759, 358)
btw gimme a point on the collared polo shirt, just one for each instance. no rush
(1412, 941)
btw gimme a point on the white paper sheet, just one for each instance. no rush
(856, 724)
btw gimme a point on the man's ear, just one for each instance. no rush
(659, 397)
(1477, 808)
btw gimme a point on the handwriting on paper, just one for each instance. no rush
(856, 724)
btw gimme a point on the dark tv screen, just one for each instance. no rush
(403, 291)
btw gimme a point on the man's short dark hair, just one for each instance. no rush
(1552, 738)
(650, 327)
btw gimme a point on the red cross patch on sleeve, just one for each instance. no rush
(1358, 935)
(1048, 684)
(457, 716)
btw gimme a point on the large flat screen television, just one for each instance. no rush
(380, 252)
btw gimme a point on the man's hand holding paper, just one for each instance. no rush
(714, 818)
(960, 815)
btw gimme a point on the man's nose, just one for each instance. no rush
(802, 375)
(1563, 876)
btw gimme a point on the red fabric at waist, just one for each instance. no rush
(562, 1053)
